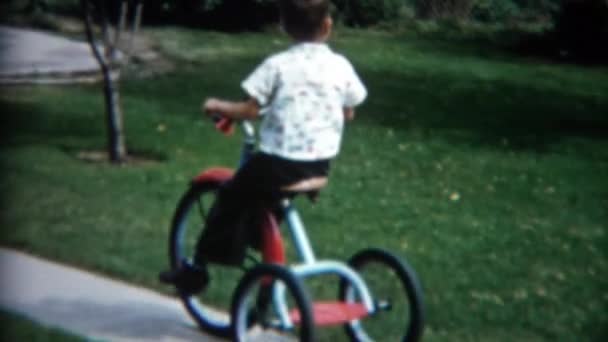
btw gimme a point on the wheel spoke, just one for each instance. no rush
(201, 209)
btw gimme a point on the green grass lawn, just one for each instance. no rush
(489, 173)
(18, 328)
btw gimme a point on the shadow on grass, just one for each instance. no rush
(520, 112)
(25, 123)
(73, 131)
(494, 113)
(516, 113)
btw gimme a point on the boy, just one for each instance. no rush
(303, 95)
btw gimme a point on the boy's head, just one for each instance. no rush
(305, 20)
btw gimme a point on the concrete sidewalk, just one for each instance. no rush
(89, 305)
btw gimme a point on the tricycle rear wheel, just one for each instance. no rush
(210, 309)
(255, 314)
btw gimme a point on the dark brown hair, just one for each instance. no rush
(302, 19)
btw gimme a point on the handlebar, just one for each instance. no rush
(226, 126)
(223, 124)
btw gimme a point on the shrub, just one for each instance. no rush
(538, 9)
(443, 9)
(494, 10)
(239, 14)
(214, 14)
(490, 11)
(581, 30)
(367, 12)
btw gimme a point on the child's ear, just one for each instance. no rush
(328, 23)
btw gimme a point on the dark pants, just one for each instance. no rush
(233, 222)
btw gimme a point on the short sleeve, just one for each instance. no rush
(260, 83)
(355, 92)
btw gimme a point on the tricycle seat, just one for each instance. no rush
(308, 186)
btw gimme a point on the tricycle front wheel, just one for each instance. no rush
(397, 295)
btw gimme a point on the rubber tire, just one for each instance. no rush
(409, 281)
(295, 288)
(176, 255)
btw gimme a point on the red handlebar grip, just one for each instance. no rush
(225, 126)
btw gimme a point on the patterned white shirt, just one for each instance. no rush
(303, 92)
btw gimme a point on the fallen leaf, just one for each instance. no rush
(454, 197)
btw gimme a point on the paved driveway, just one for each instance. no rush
(27, 55)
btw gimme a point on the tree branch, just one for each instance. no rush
(88, 20)
(135, 27)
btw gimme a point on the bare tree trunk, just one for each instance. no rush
(114, 116)
(117, 146)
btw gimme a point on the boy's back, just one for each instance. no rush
(303, 92)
